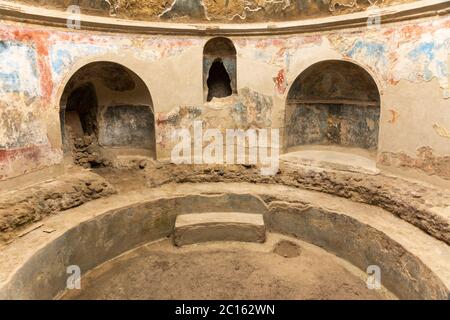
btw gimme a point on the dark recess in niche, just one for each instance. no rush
(219, 82)
(333, 102)
(219, 68)
(83, 101)
(92, 124)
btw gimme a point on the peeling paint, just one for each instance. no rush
(280, 82)
(220, 10)
(394, 116)
(18, 68)
(35, 60)
(442, 131)
(415, 53)
(425, 160)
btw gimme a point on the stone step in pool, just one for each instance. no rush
(219, 226)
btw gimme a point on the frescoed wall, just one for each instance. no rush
(226, 11)
(409, 62)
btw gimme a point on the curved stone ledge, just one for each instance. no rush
(219, 226)
(414, 265)
(361, 244)
(415, 10)
(420, 204)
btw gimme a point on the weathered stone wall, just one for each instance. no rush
(419, 204)
(409, 62)
(20, 208)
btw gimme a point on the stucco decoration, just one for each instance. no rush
(218, 10)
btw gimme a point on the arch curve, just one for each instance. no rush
(219, 68)
(106, 104)
(333, 102)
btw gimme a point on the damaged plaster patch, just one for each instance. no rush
(257, 107)
(442, 131)
(20, 124)
(344, 3)
(425, 161)
(394, 116)
(415, 53)
(18, 68)
(178, 118)
(185, 8)
(247, 109)
(64, 54)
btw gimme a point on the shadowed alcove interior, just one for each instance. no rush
(219, 68)
(105, 106)
(333, 103)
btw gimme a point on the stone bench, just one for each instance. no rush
(219, 226)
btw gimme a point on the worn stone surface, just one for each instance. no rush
(86, 151)
(287, 249)
(101, 230)
(326, 230)
(422, 205)
(237, 271)
(218, 226)
(20, 208)
(331, 158)
(334, 124)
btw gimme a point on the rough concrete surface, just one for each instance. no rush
(230, 271)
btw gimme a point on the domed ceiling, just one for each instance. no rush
(231, 11)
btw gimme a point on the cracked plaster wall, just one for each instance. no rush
(409, 61)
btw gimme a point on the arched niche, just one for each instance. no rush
(106, 110)
(219, 68)
(334, 103)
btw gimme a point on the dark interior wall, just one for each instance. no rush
(334, 124)
(219, 81)
(219, 55)
(83, 101)
(128, 126)
(118, 106)
(333, 103)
